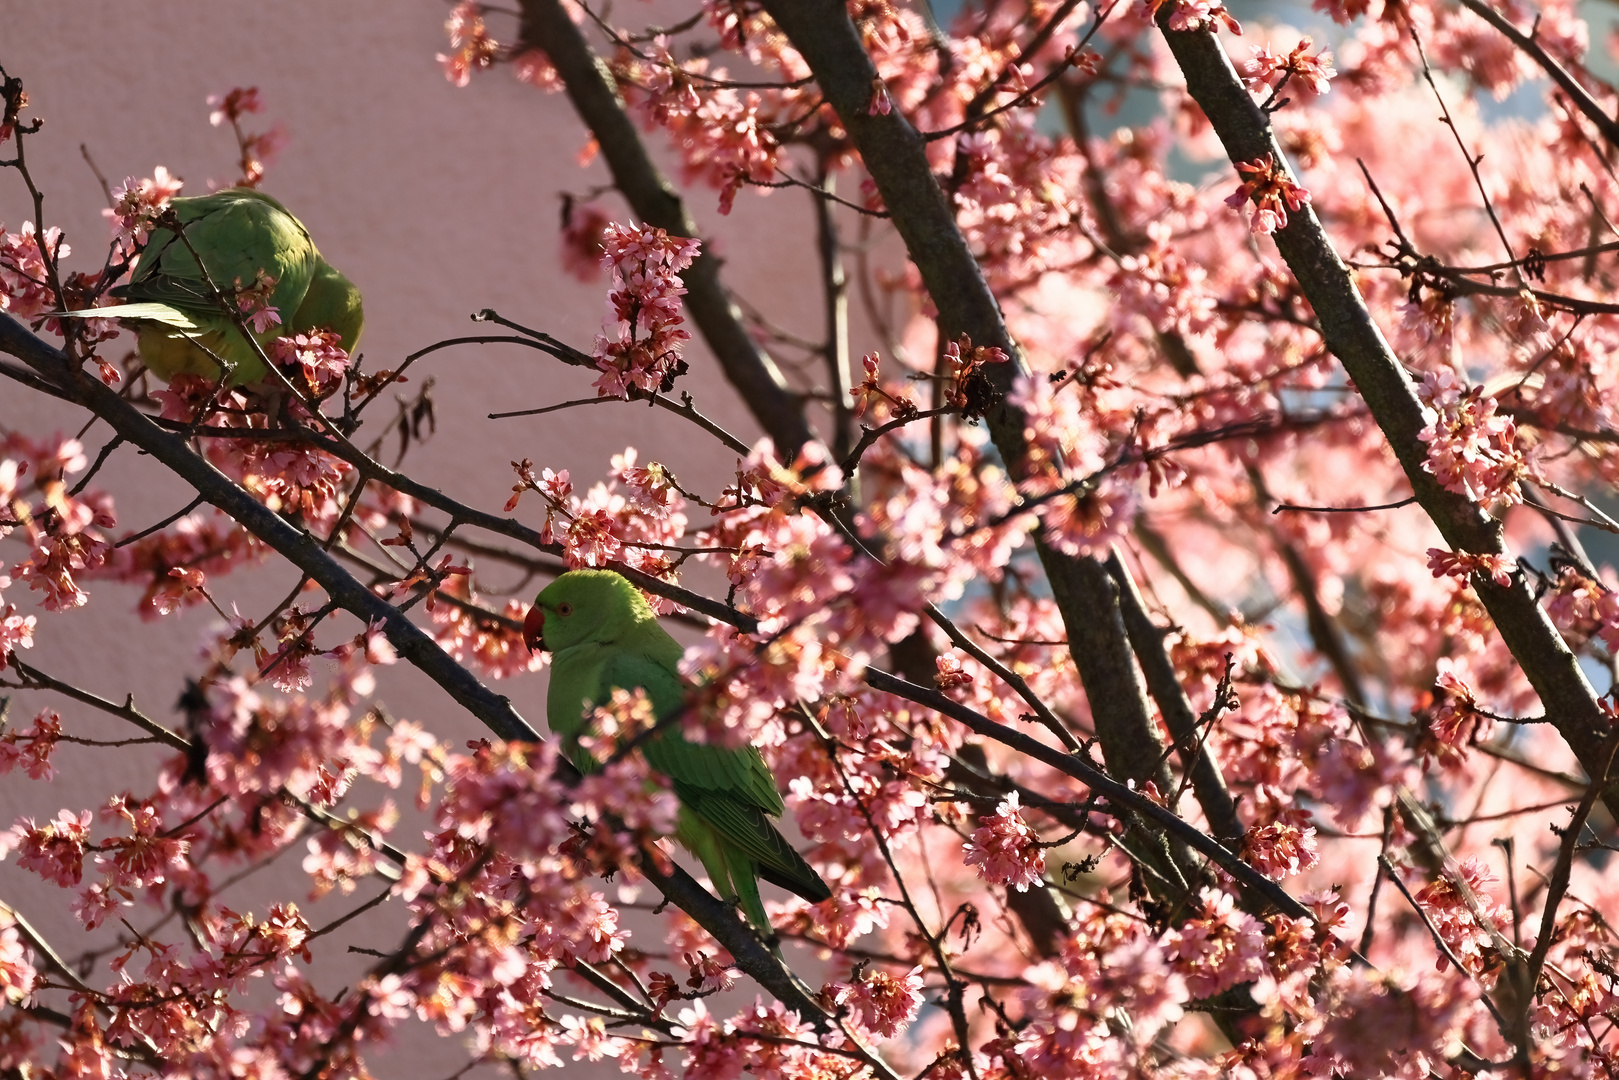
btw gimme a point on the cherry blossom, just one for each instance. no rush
(1272, 192)
(1271, 70)
(1167, 499)
(1472, 449)
(1005, 850)
(17, 974)
(138, 203)
(25, 288)
(641, 347)
(473, 46)
(882, 1003)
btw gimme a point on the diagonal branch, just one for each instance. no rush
(299, 547)
(1588, 106)
(1353, 336)
(895, 155)
(1208, 784)
(591, 88)
(1122, 798)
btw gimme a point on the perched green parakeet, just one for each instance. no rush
(237, 232)
(602, 636)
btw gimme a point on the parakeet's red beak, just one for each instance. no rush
(534, 629)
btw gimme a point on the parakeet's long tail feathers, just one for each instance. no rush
(158, 313)
(804, 882)
(747, 828)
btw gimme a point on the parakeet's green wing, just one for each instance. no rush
(739, 773)
(731, 789)
(237, 234)
(332, 303)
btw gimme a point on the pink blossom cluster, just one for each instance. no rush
(17, 973)
(1014, 201)
(1271, 191)
(16, 629)
(31, 747)
(494, 646)
(879, 1002)
(1472, 449)
(286, 475)
(169, 565)
(316, 359)
(1271, 70)
(1005, 850)
(62, 529)
(474, 48)
(641, 346)
(137, 204)
(1464, 564)
(25, 286)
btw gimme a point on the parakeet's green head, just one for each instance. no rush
(584, 606)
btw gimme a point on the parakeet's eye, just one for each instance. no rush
(564, 609)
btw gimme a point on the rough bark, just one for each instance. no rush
(894, 154)
(1354, 338)
(594, 94)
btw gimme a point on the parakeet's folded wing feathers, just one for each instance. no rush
(739, 771)
(239, 233)
(745, 825)
(730, 788)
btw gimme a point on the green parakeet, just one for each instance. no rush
(237, 232)
(602, 636)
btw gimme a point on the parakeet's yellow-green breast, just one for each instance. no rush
(602, 636)
(237, 233)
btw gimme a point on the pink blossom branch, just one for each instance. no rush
(1208, 784)
(574, 358)
(302, 550)
(955, 988)
(43, 947)
(427, 495)
(1033, 45)
(591, 89)
(1526, 43)
(1390, 872)
(1119, 795)
(33, 678)
(1353, 336)
(127, 711)
(895, 156)
(1037, 909)
(1557, 887)
(1472, 160)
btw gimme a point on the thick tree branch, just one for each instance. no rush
(594, 94)
(1353, 336)
(895, 155)
(1208, 785)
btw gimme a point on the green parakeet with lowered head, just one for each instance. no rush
(602, 635)
(238, 233)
